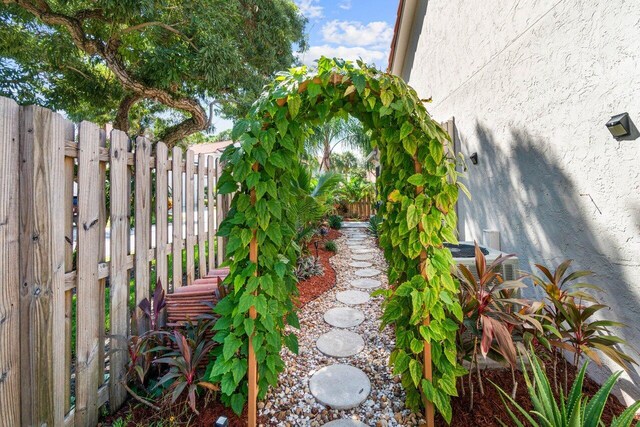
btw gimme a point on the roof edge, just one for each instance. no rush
(401, 34)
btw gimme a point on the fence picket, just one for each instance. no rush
(88, 289)
(143, 223)
(9, 253)
(202, 233)
(189, 216)
(176, 190)
(118, 272)
(211, 212)
(162, 230)
(42, 334)
(69, 176)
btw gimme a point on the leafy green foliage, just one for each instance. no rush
(335, 221)
(184, 357)
(571, 324)
(132, 61)
(417, 220)
(573, 410)
(308, 266)
(374, 225)
(330, 246)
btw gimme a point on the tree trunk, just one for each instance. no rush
(326, 155)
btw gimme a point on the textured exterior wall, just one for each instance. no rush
(531, 86)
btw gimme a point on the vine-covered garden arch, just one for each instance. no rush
(418, 184)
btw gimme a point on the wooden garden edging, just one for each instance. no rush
(51, 269)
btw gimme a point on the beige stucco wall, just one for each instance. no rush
(531, 85)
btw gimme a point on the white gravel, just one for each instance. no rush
(291, 403)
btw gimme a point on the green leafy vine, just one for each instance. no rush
(419, 216)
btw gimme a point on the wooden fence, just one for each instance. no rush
(72, 201)
(362, 209)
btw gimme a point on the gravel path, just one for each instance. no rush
(291, 403)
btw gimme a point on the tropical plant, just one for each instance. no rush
(134, 62)
(374, 225)
(335, 221)
(346, 163)
(571, 324)
(324, 138)
(491, 314)
(308, 266)
(143, 338)
(331, 246)
(573, 410)
(186, 358)
(355, 189)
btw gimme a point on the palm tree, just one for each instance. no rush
(324, 139)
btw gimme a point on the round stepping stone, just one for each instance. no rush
(352, 297)
(359, 248)
(343, 317)
(340, 343)
(346, 422)
(360, 264)
(362, 257)
(366, 283)
(340, 386)
(363, 250)
(368, 272)
(355, 242)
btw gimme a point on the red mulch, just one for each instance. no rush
(315, 286)
(488, 409)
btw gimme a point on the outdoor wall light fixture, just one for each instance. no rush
(474, 158)
(619, 126)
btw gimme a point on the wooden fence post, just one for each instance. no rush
(119, 274)
(426, 354)
(10, 276)
(42, 256)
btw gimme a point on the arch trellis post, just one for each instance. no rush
(418, 184)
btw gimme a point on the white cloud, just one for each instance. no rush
(354, 33)
(345, 4)
(370, 56)
(310, 8)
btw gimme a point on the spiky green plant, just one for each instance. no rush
(573, 410)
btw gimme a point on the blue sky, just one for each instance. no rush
(348, 29)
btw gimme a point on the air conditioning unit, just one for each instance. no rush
(464, 253)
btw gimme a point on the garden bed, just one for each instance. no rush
(134, 413)
(315, 286)
(488, 409)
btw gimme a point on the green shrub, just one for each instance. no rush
(335, 222)
(575, 409)
(331, 246)
(308, 266)
(374, 225)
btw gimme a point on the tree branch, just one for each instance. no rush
(109, 52)
(122, 115)
(143, 25)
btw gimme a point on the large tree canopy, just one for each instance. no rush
(126, 60)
